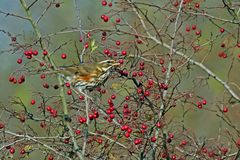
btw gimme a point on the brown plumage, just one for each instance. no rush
(87, 75)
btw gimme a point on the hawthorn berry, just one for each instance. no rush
(197, 5)
(137, 141)
(118, 43)
(63, 56)
(222, 30)
(45, 52)
(118, 20)
(127, 134)
(12, 150)
(19, 60)
(153, 139)
(50, 157)
(81, 98)
(86, 45)
(183, 143)
(224, 150)
(22, 151)
(2, 125)
(194, 27)
(124, 52)
(33, 101)
(225, 109)
(204, 101)
(69, 92)
(113, 96)
(104, 3)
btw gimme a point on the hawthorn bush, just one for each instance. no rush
(175, 95)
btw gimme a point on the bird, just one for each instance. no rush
(87, 76)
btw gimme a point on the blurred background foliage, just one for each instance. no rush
(204, 123)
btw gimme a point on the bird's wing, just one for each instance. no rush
(80, 70)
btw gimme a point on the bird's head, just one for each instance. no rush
(108, 64)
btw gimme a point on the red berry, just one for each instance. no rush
(197, 5)
(225, 109)
(69, 92)
(194, 27)
(104, 3)
(139, 41)
(12, 150)
(90, 116)
(153, 139)
(204, 101)
(183, 143)
(150, 82)
(164, 69)
(112, 116)
(49, 108)
(50, 157)
(42, 76)
(22, 151)
(19, 60)
(127, 134)
(46, 85)
(176, 3)
(105, 18)
(222, 30)
(63, 56)
(78, 132)
(238, 142)
(81, 98)
(141, 63)
(35, 52)
(124, 52)
(198, 32)
(67, 84)
(45, 52)
(33, 101)
(121, 61)
(113, 96)
(86, 45)
(118, 43)
(173, 157)
(161, 61)
(100, 141)
(129, 130)
(11, 79)
(159, 124)
(146, 93)
(137, 141)
(110, 4)
(118, 20)
(224, 150)
(188, 29)
(106, 51)
(171, 135)
(223, 45)
(140, 73)
(2, 125)
(41, 64)
(172, 69)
